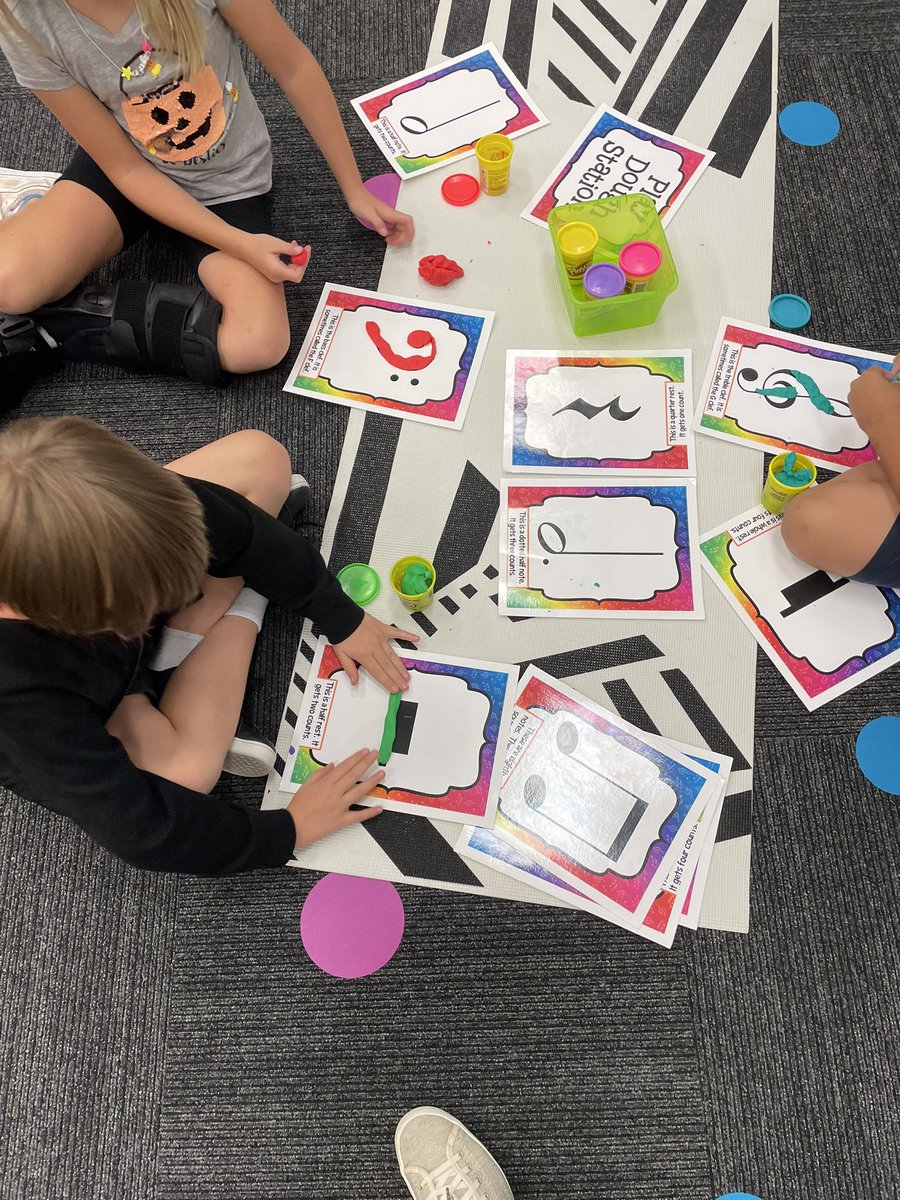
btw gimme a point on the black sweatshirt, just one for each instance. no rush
(56, 694)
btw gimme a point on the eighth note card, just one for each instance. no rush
(626, 548)
(437, 115)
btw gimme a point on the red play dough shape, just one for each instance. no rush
(383, 187)
(439, 270)
(300, 258)
(351, 927)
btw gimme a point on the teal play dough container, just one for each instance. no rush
(618, 221)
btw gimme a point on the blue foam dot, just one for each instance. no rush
(878, 753)
(738, 1196)
(809, 124)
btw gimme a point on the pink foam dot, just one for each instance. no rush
(351, 927)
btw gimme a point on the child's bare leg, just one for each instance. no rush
(186, 739)
(839, 525)
(254, 334)
(49, 247)
(250, 463)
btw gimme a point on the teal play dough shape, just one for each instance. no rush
(416, 580)
(809, 124)
(389, 730)
(878, 753)
(360, 582)
(789, 311)
(787, 392)
(791, 475)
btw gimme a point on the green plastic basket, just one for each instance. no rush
(618, 220)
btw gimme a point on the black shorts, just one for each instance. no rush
(884, 566)
(252, 214)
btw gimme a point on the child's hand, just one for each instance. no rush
(322, 804)
(264, 254)
(370, 646)
(875, 400)
(395, 227)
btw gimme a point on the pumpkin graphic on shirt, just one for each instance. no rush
(178, 120)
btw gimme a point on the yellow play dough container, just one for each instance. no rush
(413, 603)
(577, 241)
(776, 494)
(494, 153)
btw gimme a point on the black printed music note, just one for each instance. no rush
(585, 409)
(426, 128)
(560, 548)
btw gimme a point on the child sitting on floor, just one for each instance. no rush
(115, 570)
(851, 525)
(168, 134)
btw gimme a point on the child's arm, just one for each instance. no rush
(875, 403)
(100, 136)
(262, 28)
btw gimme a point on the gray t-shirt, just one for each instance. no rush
(206, 133)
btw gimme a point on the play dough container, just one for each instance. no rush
(615, 221)
(577, 241)
(410, 600)
(494, 153)
(640, 262)
(776, 494)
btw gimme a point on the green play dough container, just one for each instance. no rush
(414, 602)
(360, 582)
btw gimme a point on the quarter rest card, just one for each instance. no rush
(598, 415)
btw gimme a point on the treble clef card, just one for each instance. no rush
(373, 351)
(775, 392)
(623, 548)
(437, 115)
(598, 414)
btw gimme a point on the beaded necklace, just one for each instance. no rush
(134, 71)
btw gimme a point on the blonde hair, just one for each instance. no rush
(173, 25)
(94, 536)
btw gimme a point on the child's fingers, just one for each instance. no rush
(360, 790)
(355, 816)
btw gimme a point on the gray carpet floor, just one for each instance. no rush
(166, 1038)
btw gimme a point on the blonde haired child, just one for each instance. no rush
(168, 132)
(131, 596)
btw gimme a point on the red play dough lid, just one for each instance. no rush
(460, 189)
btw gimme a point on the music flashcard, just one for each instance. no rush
(595, 802)
(372, 351)
(615, 155)
(598, 415)
(825, 634)
(778, 392)
(616, 549)
(451, 729)
(437, 115)
(673, 905)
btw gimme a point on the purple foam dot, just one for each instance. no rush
(351, 927)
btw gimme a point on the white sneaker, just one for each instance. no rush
(17, 188)
(251, 755)
(441, 1160)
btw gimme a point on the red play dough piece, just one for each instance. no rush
(439, 270)
(299, 259)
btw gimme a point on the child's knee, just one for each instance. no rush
(251, 349)
(268, 466)
(804, 527)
